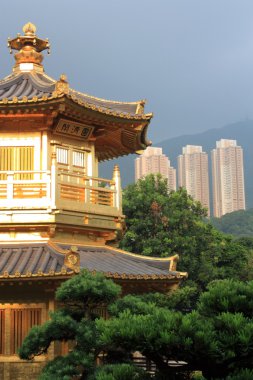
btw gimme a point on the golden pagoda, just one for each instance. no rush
(57, 215)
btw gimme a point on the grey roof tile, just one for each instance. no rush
(33, 84)
(26, 84)
(44, 258)
(128, 108)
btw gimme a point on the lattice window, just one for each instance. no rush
(62, 156)
(78, 159)
(16, 158)
(21, 322)
(2, 330)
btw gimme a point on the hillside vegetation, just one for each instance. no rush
(238, 223)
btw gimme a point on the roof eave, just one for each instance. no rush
(116, 276)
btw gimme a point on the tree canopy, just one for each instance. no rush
(216, 338)
(81, 296)
(159, 223)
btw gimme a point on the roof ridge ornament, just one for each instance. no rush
(62, 86)
(72, 259)
(29, 56)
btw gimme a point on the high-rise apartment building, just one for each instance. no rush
(228, 178)
(154, 161)
(193, 173)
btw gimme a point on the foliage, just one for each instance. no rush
(136, 304)
(243, 374)
(227, 296)
(216, 338)
(238, 223)
(87, 291)
(152, 212)
(75, 321)
(246, 241)
(163, 224)
(120, 372)
(182, 299)
(61, 326)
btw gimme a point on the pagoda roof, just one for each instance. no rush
(118, 128)
(30, 260)
(33, 86)
(25, 86)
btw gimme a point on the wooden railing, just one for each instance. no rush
(149, 366)
(144, 363)
(75, 187)
(55, 189)
(22, 189)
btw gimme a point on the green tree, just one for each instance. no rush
(246, 241)
(151, 212)
(75, 321)
(159, 223)
(216, 338)
(119, 372)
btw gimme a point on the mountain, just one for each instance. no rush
(240, 131)
(238, 223)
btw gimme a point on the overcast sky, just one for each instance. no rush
(191, 59)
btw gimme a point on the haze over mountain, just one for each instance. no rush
(241, 131)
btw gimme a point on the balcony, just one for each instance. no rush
(59, 190)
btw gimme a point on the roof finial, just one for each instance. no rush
(29, 48)
(29, 29)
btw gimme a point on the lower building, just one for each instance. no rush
(32, 271)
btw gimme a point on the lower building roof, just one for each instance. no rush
(28, 260)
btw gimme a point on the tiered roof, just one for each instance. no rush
(119, 128)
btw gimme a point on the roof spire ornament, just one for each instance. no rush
(29, 29)
(29, 47)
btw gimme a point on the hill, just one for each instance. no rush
(238, 223)
(241, 131)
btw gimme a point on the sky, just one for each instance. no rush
(191, 59)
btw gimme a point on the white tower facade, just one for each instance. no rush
(153, 161)
(228, 178)
(193, 173)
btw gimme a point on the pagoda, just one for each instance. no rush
(57, 215)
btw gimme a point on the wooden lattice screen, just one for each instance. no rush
(17, 158)
(2, 330)
(21, 322)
